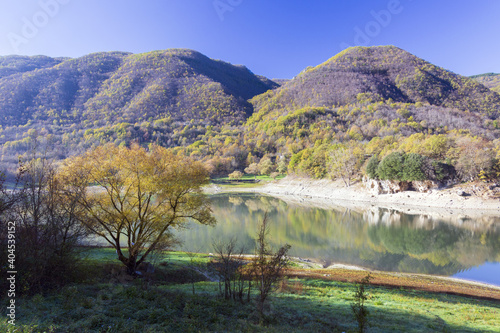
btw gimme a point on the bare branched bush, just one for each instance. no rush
(228, 265)
(47, 232)
(268, 266)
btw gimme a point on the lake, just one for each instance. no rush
(375, 238)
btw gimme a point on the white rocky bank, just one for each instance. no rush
(472, 197)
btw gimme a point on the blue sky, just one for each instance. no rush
(275, 38)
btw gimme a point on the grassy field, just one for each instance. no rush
(245, 181)
(99, 303)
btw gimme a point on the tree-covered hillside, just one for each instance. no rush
(490, 80)
(120, 97)
(380, 73)
(181, 85)
(14, 64)
(57, 93)
(326, 122)
(116, 87)
(369, 101)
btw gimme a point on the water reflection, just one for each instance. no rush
(377, 238)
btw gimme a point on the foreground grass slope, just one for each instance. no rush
(301, 305)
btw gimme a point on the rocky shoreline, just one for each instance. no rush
(467, 199)
(463, 196)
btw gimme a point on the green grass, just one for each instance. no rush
(251, 177)
(300, 305)
(99, 255)
(234, 184)
(108, 255)
(239, 185)
(317, 306)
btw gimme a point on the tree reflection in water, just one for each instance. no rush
(376, 238)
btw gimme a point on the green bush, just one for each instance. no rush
(443, 171)
(402, 167)
(408, 167)
(391, 167)
(413, 168)
(371, 167)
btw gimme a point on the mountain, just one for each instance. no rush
(115, 87)
(169, 97)
(490, 80)
(367, 100)
(380, 74)
(52, 89)
(373, 101)
(14, 64)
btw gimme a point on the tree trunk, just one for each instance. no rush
(132, 265)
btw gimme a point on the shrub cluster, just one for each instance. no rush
(408, 167)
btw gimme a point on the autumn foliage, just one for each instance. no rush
(133, 198)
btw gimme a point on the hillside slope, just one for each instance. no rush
(115, 87)
(380, 74)
(54, 92)
(168, 97)
(490, 80)
(364, 101)
(14, 64)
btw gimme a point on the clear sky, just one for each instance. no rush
(275, 38)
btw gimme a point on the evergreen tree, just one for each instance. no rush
(413, 168)
(371, 167)
(391, 167)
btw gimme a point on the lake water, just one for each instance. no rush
(374, 238)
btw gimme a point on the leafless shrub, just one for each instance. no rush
(267, 267)
(228, 265)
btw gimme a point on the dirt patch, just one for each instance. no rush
(406, 281)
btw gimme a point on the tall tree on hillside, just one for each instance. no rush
(475, 157)
(137, 197)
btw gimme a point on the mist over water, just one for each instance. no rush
(375, 238)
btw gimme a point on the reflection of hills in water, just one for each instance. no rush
(392, 217)
(376, 238)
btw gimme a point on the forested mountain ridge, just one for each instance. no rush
(375, 101)
(167, 97)
(181, 84)
(490, 80)
(55, 93)
(365, 101)
(116, 87)
(379, 73)
(14, 64)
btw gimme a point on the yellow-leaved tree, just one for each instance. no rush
(345, 161)
(133, 198)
